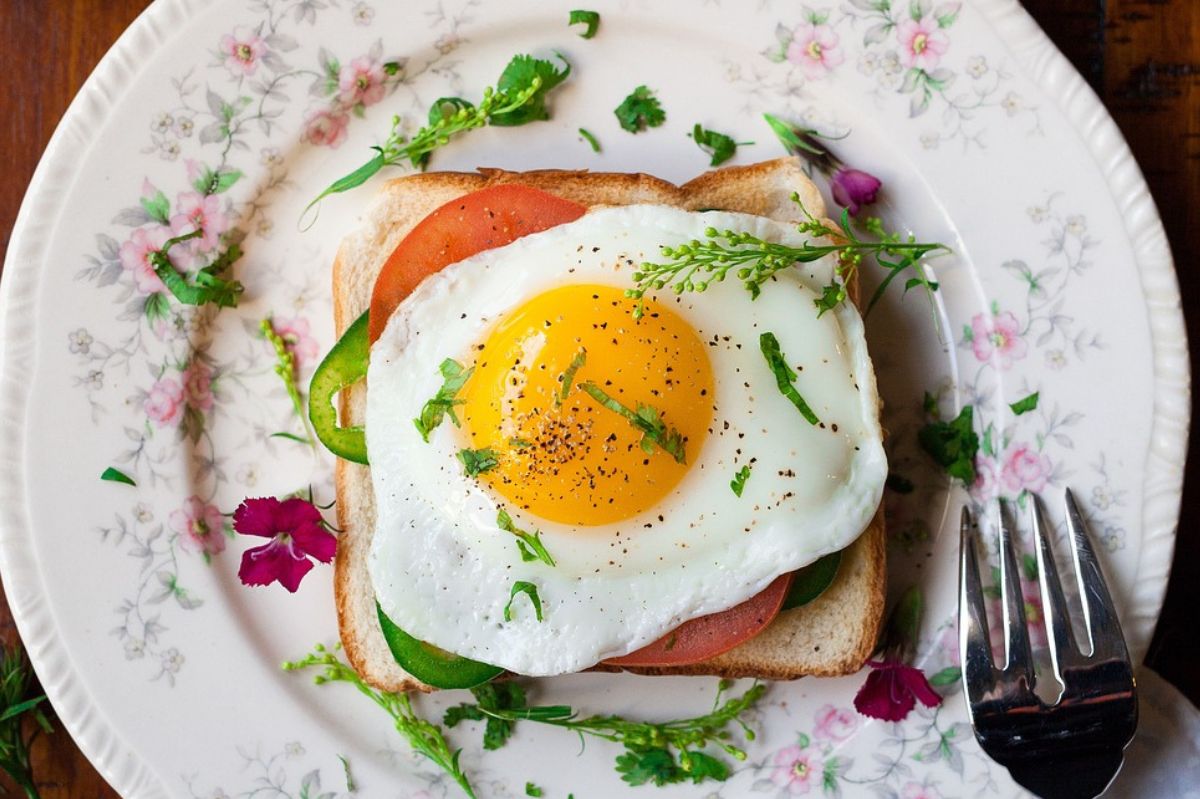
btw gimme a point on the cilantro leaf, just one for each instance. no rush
(491, 698)
(477, 461)
(1025, 405)
(646, 419)
(520, 74)
(784, 376)
(654, 765)
(640, 110)
(459, 713)
(532, 790)
(953, 445)
(528, 589)
(589, 18)
(718, 145)
(454, 377)
(738, 483)
(700, 767)
(530, 545)
(117, 476)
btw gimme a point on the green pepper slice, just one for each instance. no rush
(344, 366)
(812, 580)
(431, 665)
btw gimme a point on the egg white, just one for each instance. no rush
(443, 570)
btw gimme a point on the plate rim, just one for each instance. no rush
(121, 765)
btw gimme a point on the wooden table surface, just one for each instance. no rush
(1141, 56)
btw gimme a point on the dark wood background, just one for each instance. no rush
(1141, 56)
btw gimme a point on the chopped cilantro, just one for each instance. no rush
(953, 445)
(528, 589)
(738, 483)
(646, 419)
(530, 788)
(591, 139)
(1025, 405)
(530, 545)
(454, 377)
(589, 18)
(117, 476)
(784, 376)
(718, 145)
(568, 377)
(477, 461)
(640, 110)
(493, 697)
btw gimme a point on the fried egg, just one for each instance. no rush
(644, 533)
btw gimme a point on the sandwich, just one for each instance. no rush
(557, 463)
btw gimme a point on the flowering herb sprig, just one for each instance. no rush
(422, 735)
(285, 368)
(693, 266)
(518, 97)
(16, 704)
(207, 286)
(659, 753)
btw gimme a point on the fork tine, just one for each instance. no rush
(1104, 630)
(975, 652)
(1017, 652)
(1058, 622)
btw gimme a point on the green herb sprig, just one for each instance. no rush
(285, 368)
(529, 544)
(647, 419)
(659, 753)
(785, 378)
(693, 266)
(454, 377)
(207, 286)
(518, 97)
(422, 735)
(15, 704)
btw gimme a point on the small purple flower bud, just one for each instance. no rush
(854, 188)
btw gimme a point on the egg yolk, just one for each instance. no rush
(544, 399)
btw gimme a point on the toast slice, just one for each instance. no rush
(832, 635)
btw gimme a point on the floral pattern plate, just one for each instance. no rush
(234, 113)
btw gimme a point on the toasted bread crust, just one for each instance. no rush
(833, 635)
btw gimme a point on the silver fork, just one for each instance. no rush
(1074, 748)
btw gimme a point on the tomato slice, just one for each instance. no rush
(475, 222)
(708, 636)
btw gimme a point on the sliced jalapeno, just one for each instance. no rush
(344, 366)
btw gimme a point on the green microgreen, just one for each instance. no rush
(954, 444)
(117, 476)
(646, 419)
(591, 139)
(532, 790)
(423, 736)
(285, 368)
(1025, 404)
(693, 266)
(477, 461)
(530, 544)
(785, 378)
(519, 97)
(568, 376)
(640, 110)
(738, 483)
(718, 145)
(589, 18)
(454, 377)
(206, 286)
(528, 589)
(659, 753)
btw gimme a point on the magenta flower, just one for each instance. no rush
(241, 51)
(853, 188)
(200, 212)
(814, 49)
(135, 258)
(793, 770)
(296, 333)
(197, 386)
(892, 689)
(834, 724)
(200, 526)
(362, 81)
(164, 403)
(922, 42)
(325, 128)
(1025, 469)
(997, 336)
(297, 532)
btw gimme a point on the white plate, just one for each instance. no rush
(166, 669)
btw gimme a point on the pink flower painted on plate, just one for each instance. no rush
(197, 386)
(915, 790)
(200, 526)
(241, 51)
(164, 402)
(922, 42)
(814, 49)
(297, 532)
(135, 258)
(997, 337)
(362, 81)
(987, 479)
(196, 211)
(793, 770)
(325, 127)
(295, 332)
(1025, 469)
(834, 724)
(892, 690)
